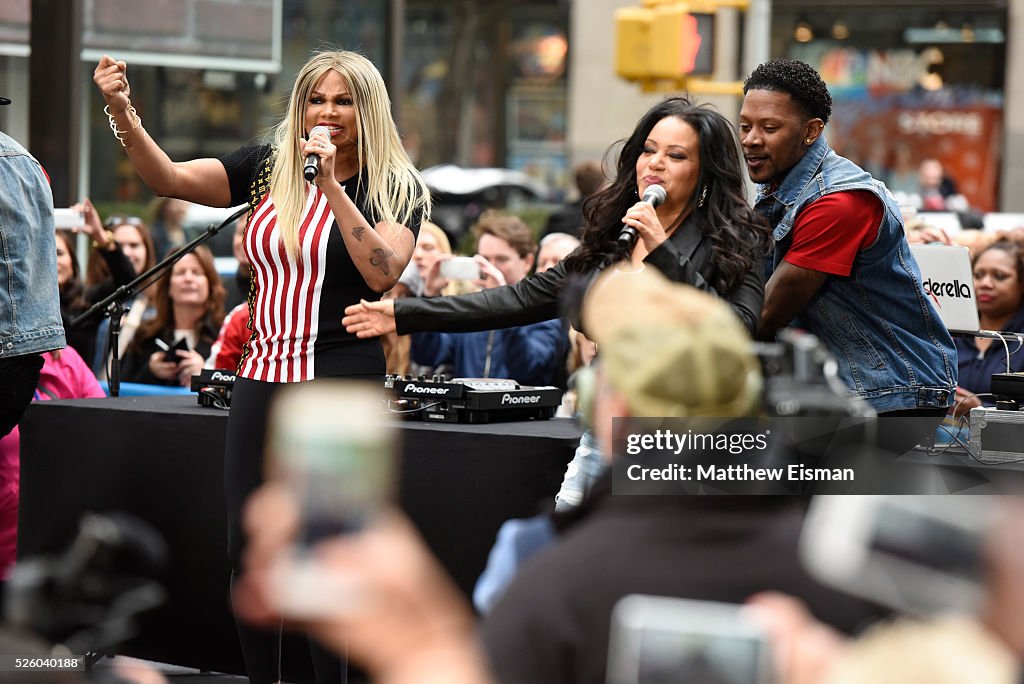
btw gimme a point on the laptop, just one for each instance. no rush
(949, 282)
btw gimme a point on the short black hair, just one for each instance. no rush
(800, 80)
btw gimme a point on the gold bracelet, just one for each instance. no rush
(133, 115)
(109, 244)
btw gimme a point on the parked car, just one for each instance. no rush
(461, 194)
(198, 218)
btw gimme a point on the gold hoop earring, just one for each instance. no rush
(703, 196)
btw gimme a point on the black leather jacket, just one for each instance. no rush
(681, 258)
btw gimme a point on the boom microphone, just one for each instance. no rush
(312, 166)
(653, 195)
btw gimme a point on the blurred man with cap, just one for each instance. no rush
(30, 321)
(664, 350)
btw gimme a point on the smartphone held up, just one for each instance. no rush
(665, 640)
(333, 450)
(918, 554)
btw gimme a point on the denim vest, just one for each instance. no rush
(892, 348)
(29, 303)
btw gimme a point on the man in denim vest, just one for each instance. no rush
(842, 268)
(29, 303)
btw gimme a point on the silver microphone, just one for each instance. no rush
(312, 166)
(653, 195)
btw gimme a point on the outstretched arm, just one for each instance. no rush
(203, 181)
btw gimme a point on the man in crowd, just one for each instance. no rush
(530, 354)
(553, 248)
(666, 350)
(30, 321)
(589, 178)
(842, 268)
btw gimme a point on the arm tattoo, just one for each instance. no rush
(357, 232)
(379, 259)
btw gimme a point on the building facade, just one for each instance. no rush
(531, 85)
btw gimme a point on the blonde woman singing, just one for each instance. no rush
(315, 248)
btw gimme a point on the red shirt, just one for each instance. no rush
(830, 231)
(227, 350)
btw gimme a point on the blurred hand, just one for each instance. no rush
(370, 319)
(93, 226)
(413, 625)
(803, 648)
(190, 363)
(433, 282)
(587, 347)
(165, 370)
(965, 401)
(1004, 555)
(490, 276)
(931, 234)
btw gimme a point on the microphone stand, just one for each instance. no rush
(112, 305)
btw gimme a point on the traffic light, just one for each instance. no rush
(632, 42)
(667, 42)
(681, 42)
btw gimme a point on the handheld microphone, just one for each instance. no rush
(312, 166)
(653, 195)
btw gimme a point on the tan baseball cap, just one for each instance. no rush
(670, 349)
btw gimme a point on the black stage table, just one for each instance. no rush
(161, 459)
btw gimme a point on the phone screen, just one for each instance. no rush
(692, 658)
(665, 640)
(926, 541)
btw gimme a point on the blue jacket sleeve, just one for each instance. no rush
(533, 352)
(432, 348)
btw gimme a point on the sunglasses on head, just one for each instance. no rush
(117, 220)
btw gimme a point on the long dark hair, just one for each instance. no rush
(72, 292)
(738, 236)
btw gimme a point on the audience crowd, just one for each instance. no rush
(547, 620)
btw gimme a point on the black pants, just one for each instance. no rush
(243, 473)
(19, 376)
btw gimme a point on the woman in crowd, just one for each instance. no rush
(432, 249)
(342, 238)
(72, 298)
(130, 237)
(75, 299)
(189, 306)
(999, 287)
(704, 234)
(168, 224)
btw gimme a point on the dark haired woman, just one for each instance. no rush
(189, 306)
(704, 234)
(999, 284)
(75, 296)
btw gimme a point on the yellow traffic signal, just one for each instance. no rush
(676, 42)
(632, 42)
(665, 43)
(662, 41)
